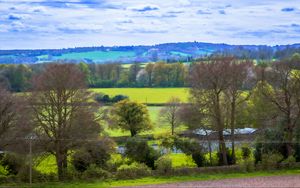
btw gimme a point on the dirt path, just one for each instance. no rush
(257, 182)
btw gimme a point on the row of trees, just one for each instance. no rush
(18, 77)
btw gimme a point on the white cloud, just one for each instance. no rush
(72, 23)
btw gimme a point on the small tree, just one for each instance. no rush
(130, 116)
(169, 114)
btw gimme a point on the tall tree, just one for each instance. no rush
(61, 113)
(170, 113)
(235, 94)
(209, 81)
(286, 83)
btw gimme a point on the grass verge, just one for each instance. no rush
(163, 180)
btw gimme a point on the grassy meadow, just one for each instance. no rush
(146, 95)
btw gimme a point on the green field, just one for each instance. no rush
(147, 95)
(96, 56)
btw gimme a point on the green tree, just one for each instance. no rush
(131, 116)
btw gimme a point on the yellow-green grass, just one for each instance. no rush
(181, 160)
(47, 165)
(146, 95)
(159, 127)
(163, 180)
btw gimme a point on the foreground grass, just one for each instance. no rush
(162, 180)
(146, 95)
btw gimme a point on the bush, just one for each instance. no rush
(81, 160)
(198, 158)
(271, 160)
(8, 179)
(103, 98)
(191, 147)
(3, 171)
(135, 170)
(289, 162)
(139, 150)
(12, 163)
(94, 172)
(229, 157)
(163, 165)
(23, 175)
(246, 152)
(248, 165)
(118, 98)
(93, 153)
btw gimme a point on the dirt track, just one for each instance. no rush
(257, 182)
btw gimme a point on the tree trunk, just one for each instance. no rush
(289, 139)
(220, 126)
(222, 147)
(133, 133)
(232, 122)
(62, 163)
(172, 127)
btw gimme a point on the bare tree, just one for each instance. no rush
(209, 81)
(13, 120)
(62, 116)
(169, 113)
(285, 96)
(239, 77)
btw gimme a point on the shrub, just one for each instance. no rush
(118, 98)
(289, 162)
(135, 170)
(163, 165)
(191, 147)
(139, 150)
(3, 171)
(81, 160)
(246, 152)
(23, 175)
(270, 160)
(198, 158)
(248, 165)
(229, 157)
(8, 179)
(12, 163)
(93, 153)
(94, 172)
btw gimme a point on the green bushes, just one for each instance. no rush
(12, 163)
(102, 98)
(289, 162)
(134, 170)
(191, 147)
(270, 160)
(163, 165)
(95, 172)
(138, 150)
(97, 153)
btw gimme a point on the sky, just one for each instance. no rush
(40, 24)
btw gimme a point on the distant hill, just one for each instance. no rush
(170, 52)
